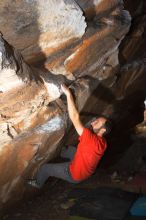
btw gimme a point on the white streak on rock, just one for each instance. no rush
(71, 56)
(9, 80)
(7, 189)
(53, 91)
(96, 2)
(54, 124)
(1, 60)
(26, 164)
(4, 137)
(66, 21)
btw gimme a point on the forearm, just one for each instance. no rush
(72, 110)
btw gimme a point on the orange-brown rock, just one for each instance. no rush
(98, 8)
(81, 51)
(33, 26)
(80, 58)
(26, 120)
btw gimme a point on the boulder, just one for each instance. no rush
(74, 42)
(37, 27)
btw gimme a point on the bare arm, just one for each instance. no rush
(73, 112)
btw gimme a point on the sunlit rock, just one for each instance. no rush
(89, 56)
(89, 53)
(26, 121)
(98, 8)
(40, 26)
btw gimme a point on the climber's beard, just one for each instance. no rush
(90, 128)
(93, 130)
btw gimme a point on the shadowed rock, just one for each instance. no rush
(26, 121)
(33, 116)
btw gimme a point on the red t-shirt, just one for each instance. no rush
(89, 152)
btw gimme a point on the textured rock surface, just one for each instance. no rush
(34, 26)
(80, 51)
(26, 123)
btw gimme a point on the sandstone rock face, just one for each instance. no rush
(81, 51)
(34, 26)
(26, 123)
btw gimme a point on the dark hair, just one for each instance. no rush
(107, 126)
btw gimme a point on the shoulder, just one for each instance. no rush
(102, 143)
(87, 134)
(85, 131)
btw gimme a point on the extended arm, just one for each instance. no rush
(73, 112)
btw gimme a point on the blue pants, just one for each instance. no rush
(59, 170)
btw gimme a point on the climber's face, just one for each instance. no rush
(98, 125)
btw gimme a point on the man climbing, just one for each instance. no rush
(83, 159)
